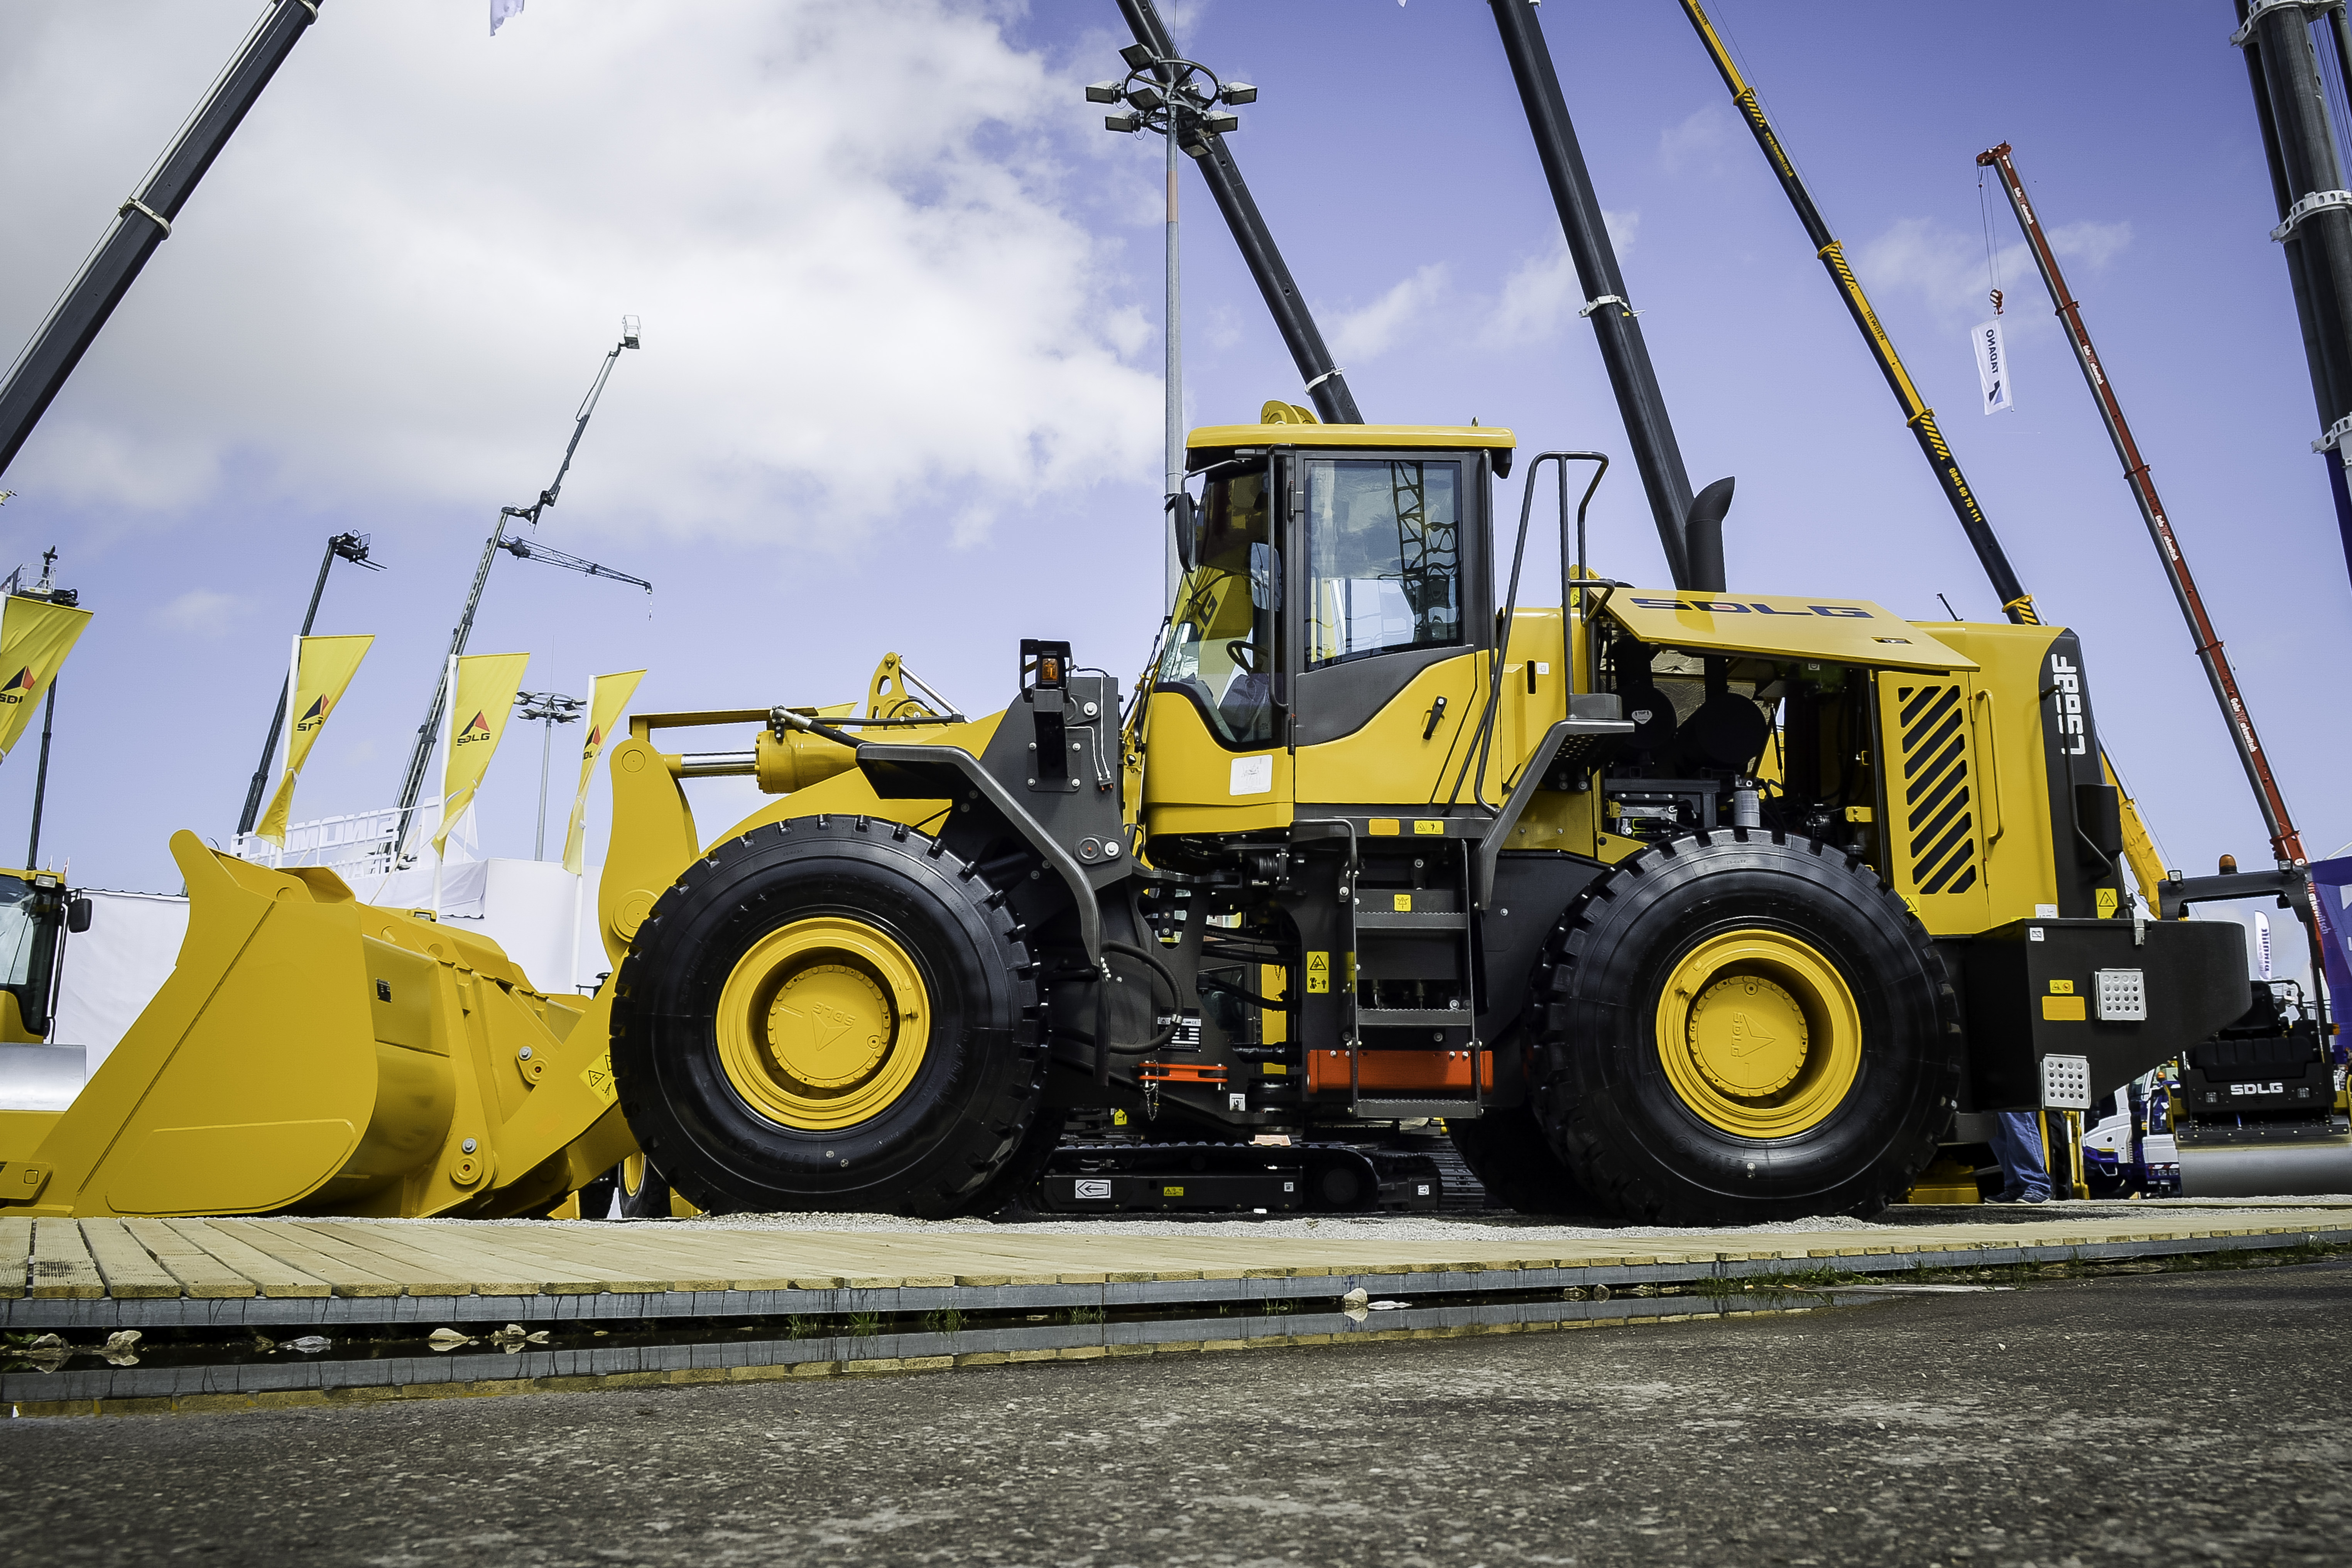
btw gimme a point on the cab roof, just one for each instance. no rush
(1778, 626)
(1287, 424)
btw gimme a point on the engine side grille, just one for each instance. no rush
(1938, 816)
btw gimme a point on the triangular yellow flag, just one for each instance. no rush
(323, 668)
(611, 696)
(34, 637)
(481, 700)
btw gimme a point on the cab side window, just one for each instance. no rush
(1384, 557)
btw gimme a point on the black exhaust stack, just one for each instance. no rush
(1702, 537)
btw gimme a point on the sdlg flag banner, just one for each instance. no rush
(34, 637)
(482, 688)
(611, 696)
(323, 671)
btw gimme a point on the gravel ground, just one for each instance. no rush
(1462, 1227)
(2155, 1418)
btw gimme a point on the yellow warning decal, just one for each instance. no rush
(2062, 1010)
(2107, 899)
(1172, 1192)
(1404, 903)
(1319, 971)
(1118, 1118)
(2061, 988)
(598, 1077)
(1425, 826)
(1276, 1070)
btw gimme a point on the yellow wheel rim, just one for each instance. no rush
(1759, 1033)
(823, 1024)
(633, 1174)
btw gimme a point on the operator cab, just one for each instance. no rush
(1328, 569)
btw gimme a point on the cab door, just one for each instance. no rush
(1218, 725)
(1389, 620)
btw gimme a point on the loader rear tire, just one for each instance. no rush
(1735, 1028)
(1506, 1149)
(829, 1014)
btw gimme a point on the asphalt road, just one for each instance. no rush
(2163, 1419)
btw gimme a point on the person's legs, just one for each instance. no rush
(2025, 1178)
(2004, 1155)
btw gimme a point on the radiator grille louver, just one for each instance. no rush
(1938, 816)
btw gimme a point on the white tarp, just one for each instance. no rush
(109, 972)
(542, 915)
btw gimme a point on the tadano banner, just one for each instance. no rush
(34, 637)
(482, 688)
(1992, 367)
(321, 672)
(604, 709)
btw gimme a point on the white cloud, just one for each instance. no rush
(1698, 141)
(201, 611)
(1542, 292)
(1368, 333)
(1946, 267)
(842, 225)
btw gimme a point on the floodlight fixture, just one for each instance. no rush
(1239, 92)
(1103, 92)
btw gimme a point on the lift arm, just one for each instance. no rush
(1627, 357)
(1325, 383)
(2015, 602)
(143, 222)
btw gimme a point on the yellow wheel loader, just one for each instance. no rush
(1689, 906)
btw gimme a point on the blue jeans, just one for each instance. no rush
(2016, 1144)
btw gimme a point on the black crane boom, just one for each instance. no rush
(1626, 357)
(142, 223)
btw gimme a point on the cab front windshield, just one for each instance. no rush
(28, 937)
(1221, 647)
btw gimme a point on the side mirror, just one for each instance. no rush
(1186, 523)
(78, 913)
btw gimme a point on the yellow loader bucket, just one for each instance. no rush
(311, 1054)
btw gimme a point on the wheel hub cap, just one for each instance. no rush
(823, 1024)
(1759, 1034)
(1748, 1034)
(829, 1025)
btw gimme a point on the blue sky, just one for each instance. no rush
(900, 385)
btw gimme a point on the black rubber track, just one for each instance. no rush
(1602, 1094)
(931, 1154)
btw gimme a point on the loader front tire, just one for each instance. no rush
(829, 1014)
(1737, 1027)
